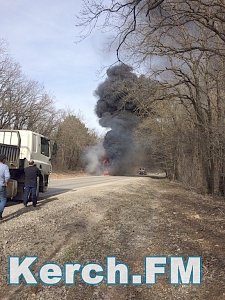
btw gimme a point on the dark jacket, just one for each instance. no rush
(31, 174)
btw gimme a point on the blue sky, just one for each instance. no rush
(42, 37)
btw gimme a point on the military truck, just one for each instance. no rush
(21, 146)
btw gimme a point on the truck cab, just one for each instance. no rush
(21, 146)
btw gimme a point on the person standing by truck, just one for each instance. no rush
(4, 178)
(31, 175)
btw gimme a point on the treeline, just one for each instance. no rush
(25, 104)
(181, 46)
(71, 140)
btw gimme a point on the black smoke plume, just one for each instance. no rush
(116, 110)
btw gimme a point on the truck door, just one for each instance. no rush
(45, 152)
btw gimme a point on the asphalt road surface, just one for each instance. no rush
(59, 186)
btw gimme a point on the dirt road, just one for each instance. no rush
(130, 218)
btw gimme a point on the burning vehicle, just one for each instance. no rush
(118, 113)
(106, 166)
(142, 171)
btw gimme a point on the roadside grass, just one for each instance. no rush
(155, 217)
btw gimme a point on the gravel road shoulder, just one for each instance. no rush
(129, 219)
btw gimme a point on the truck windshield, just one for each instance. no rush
(45, 146)
(9, 138)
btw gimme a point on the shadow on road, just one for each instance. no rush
(43, 199)
(43, 196)
(53, 192)
(25, 210)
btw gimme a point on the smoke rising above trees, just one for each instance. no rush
(182, 45)
(120, 108)
(116, 111)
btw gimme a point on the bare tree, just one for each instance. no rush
(24, 104)
(142, 21)
(184, 40)
(71, 139)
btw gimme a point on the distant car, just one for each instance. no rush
(142, 171)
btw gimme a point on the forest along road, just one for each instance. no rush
(89, 218)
